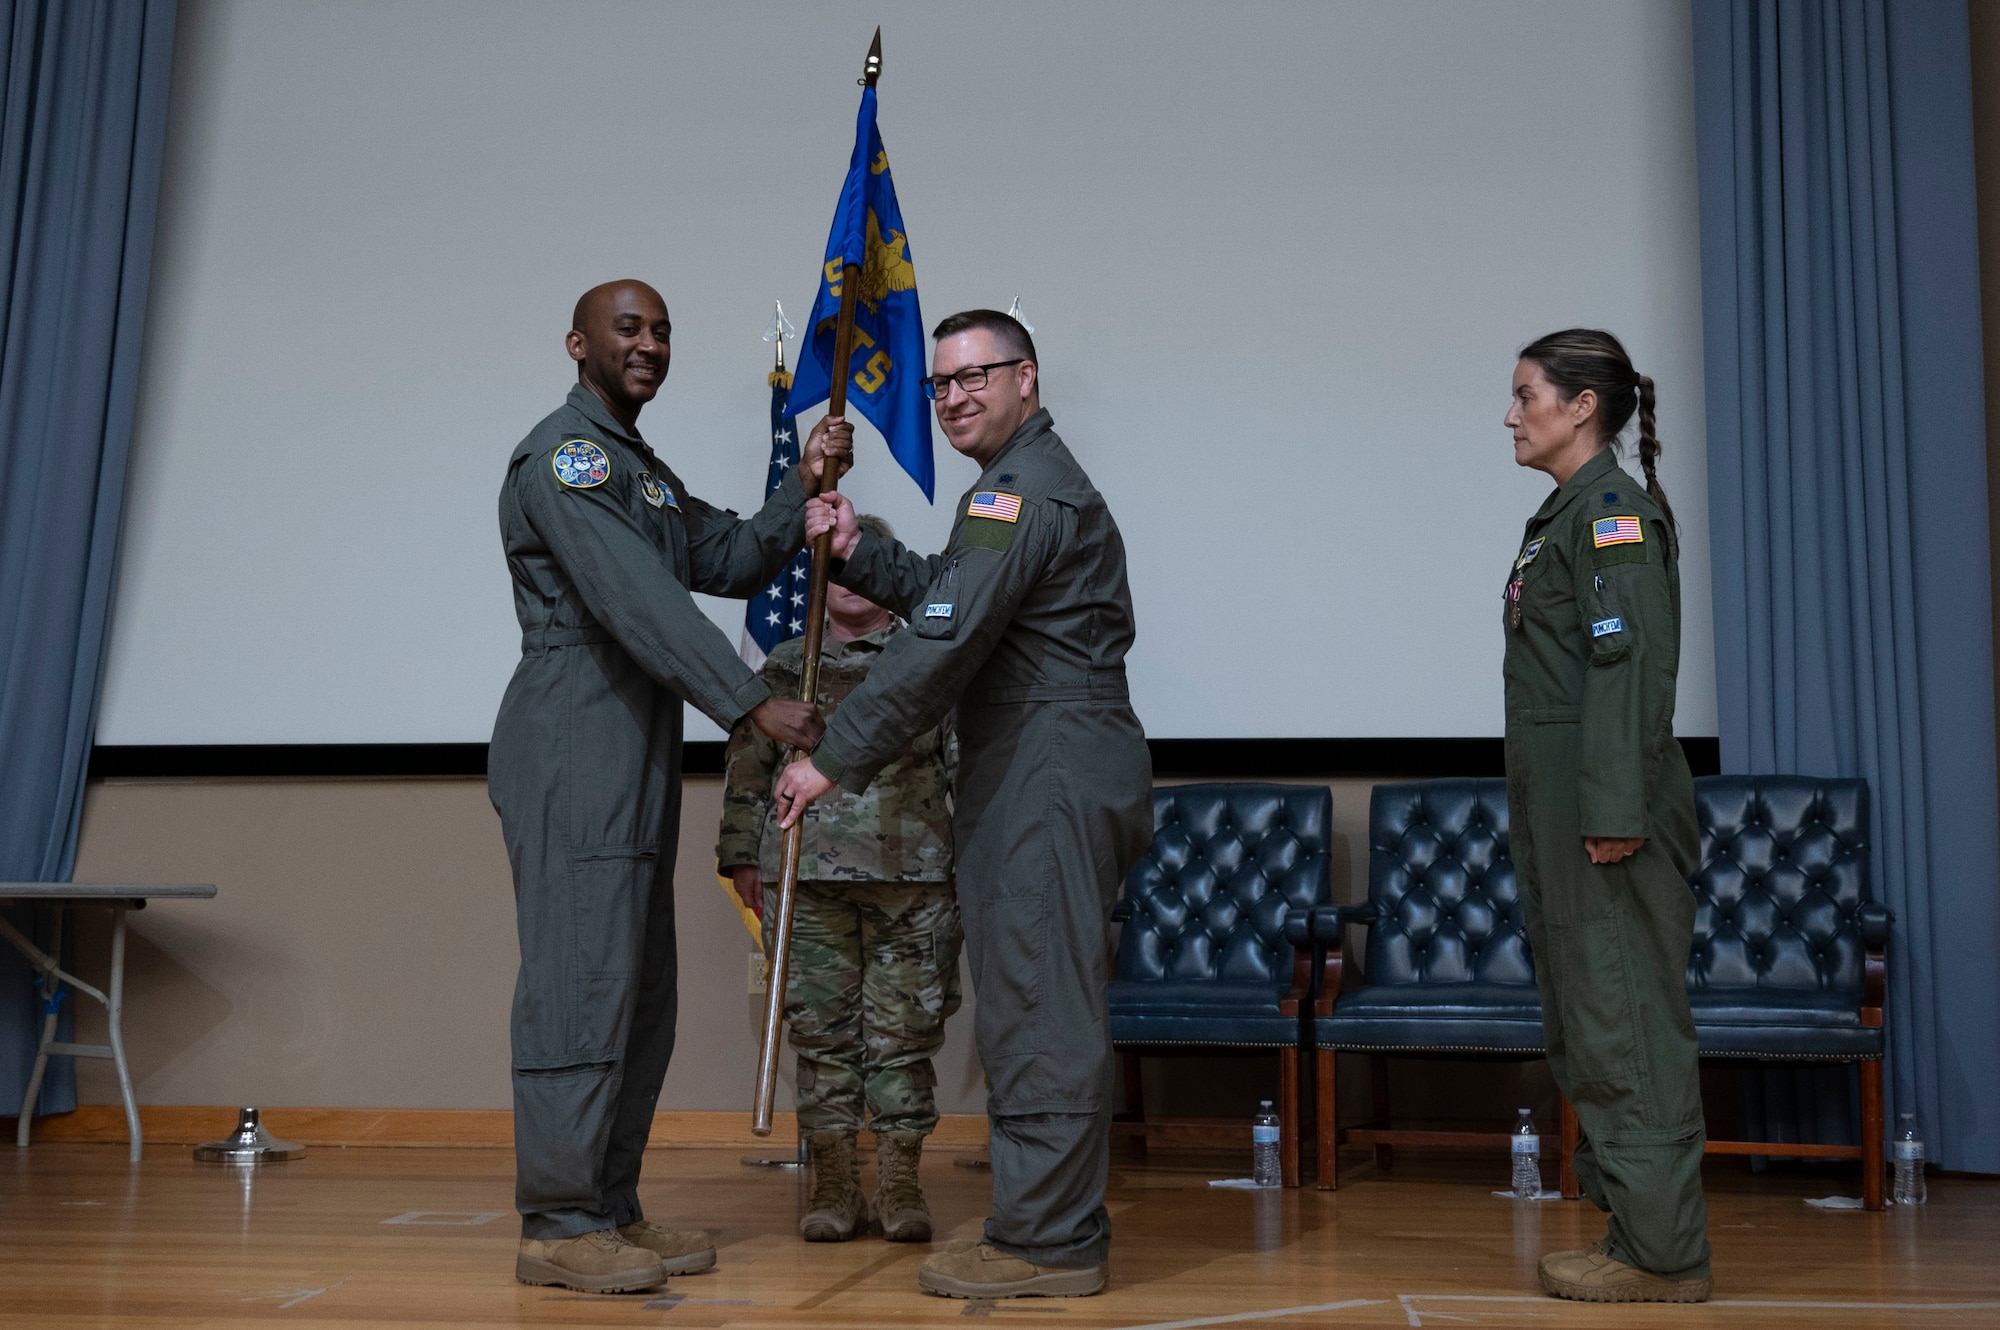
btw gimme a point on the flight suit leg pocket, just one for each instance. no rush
(1013, 965)
(1594, 988)
(610, 891)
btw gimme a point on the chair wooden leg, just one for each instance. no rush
(1378, 1066)
(1135, 1101)
(1871, 1135)
(1288, 1115)
(1327, 1128)
(1566, 1165)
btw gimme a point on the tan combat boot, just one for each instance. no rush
(681, 1251)
(1594, 1275)
(838, 1212)
(899, 1198)
(975, 1270)
(600, 1262)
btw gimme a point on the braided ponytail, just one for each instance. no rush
(1579, 358)
(1649, 452)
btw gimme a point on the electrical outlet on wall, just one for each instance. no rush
(757, 979)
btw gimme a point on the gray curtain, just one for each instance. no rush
(1847, 483)
(83, 110)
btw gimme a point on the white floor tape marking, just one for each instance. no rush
(1416, 1315)
(1238, 1317)
(447, 1218)
(293, 1296)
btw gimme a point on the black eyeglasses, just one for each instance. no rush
(972, 378)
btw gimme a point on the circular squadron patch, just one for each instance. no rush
(581, 464)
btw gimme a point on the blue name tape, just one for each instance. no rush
(939, 611)
(1606, 627)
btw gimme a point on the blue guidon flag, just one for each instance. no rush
(885, 382)
(778, 612)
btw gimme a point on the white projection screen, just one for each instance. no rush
(1278, 257)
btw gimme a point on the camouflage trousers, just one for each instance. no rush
(874, 974)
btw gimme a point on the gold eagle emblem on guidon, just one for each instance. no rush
(885, 268)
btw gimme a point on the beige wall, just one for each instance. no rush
(361, 950)
(361, 953)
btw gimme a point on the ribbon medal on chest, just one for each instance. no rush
(1513, 592)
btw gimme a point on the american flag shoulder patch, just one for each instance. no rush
(999, 507)
(1616, 531)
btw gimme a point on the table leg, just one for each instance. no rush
(50, 985)
(115, 1010)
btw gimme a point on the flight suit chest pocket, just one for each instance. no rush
(939, 612)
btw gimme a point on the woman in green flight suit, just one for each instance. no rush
(1601, 805)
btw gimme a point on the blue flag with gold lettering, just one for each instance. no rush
(885, 375)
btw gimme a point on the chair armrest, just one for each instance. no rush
(1121, 913)
(1326, 923)
(1329, 922)
(1874, 919)
(1318, 936)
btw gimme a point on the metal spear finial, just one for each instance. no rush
(873, 69)
(1014, 313)
(778, 330)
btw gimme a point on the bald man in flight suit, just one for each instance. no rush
(605, 545)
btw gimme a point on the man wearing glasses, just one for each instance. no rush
(1022, 624)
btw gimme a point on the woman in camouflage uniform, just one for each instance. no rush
(875, 936)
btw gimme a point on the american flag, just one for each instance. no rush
(1616, 531)
(1000, 507)
(778, 612)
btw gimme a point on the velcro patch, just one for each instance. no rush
(581, 464)
(941, 610)
(1606, 627)
(985, 533)
(1617, 531)
(655, 493)
(993, 504)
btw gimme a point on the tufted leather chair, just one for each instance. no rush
(1448, 966)
(1785, 921)
(1204, 961)
(1786, 962)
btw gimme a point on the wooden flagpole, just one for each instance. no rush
(778, 962)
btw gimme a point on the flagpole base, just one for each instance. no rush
(248, 1144)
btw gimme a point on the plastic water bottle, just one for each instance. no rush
(1527, 1159)
(1264, 1147)
(1909, 1162)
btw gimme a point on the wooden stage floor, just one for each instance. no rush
(425, 1237)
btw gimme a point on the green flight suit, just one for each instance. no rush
(585, 772)
(1592, 615)
(1023, 623)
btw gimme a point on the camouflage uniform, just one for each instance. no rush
(875, 927)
